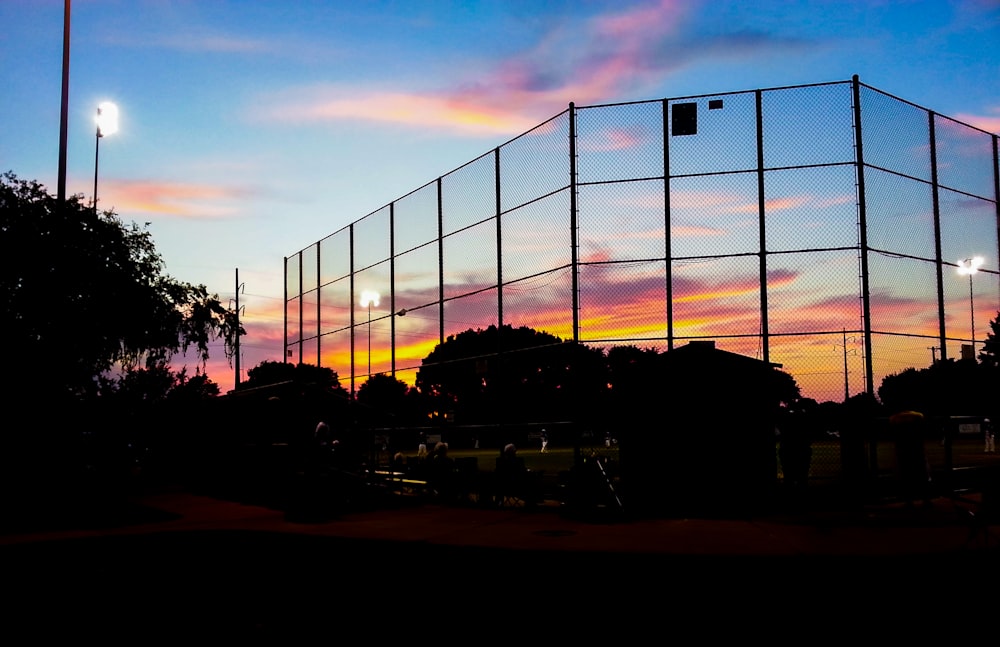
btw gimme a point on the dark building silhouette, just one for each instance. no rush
(699, 433)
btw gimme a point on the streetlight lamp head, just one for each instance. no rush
(107, 119)
(970, 265)
(369, 298)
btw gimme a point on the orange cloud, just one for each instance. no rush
(327, 104)
(173, 199)
(731, 289)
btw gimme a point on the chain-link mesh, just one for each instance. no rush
(335, 257)
(470, 257)
(533, 302)
(792, 136)
(617, 143)
(725, 138)
(770, 232)
(895, 135)
(334, 309)
(640, 317)
(900, 214)
(964, 158)
(535, 238)
(371, 239)
(469, 195)
(411, 217)
(535, 164)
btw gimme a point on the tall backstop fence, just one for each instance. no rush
(820, 227)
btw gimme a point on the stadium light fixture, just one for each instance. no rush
(970, 266)
(107, 124)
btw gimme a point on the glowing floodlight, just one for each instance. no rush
(107, 124)
(107, 119)
(970, 266)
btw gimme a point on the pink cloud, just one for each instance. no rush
(445, 112)
(989, 123)
(774, 204)
(836, 201)
(172, 199)
(605, 57)
(612, 139)
(610, 56)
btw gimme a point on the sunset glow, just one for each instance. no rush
(249, 134)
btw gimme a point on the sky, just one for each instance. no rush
(251, 129)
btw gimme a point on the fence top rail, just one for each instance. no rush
(710, 95)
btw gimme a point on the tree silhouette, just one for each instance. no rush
(387, 398)
(271, 372)
(946, 388)
(989, 355)
(626, 363)
(784, 388)
(514, 374)
(82, 292)
(158, 383)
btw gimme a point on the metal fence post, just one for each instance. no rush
(319, 304)
(301, 309)
(866, 312)
(762, 243)
(936, 208)
(284, 310)
(440, 242)
(351, 309)
(392, 288)
(573, 224)
(667, 249)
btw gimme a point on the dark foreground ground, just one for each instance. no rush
(174, 563)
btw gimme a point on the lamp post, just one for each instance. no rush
(970, 266)
(369, 298)
(107, 124)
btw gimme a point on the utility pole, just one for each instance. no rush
(847, 391)
(64, 110)
(239, 288)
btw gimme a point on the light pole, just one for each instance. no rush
(107, 124)
(970, 266)
(369, 298)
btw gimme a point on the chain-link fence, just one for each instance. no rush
(817, 227)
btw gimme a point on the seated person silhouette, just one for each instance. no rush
(513, 480)
(440, 470)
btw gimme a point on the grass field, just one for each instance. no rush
(965, 452)
(553, 461)
(826, 457)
